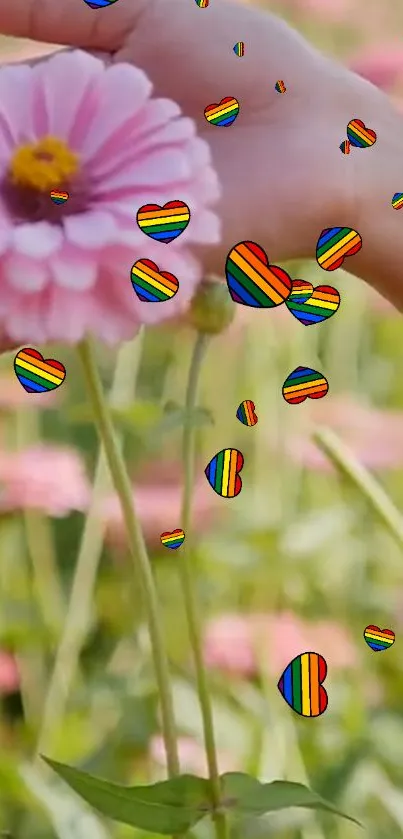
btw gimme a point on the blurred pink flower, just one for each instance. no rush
(71, 123)
(192, 757)
(158, 503)
(43, 478)
(232, 642)
(374, 436)
(9, 674)
(13, 396)
(383, 66)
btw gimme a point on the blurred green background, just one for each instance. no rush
(298, 561)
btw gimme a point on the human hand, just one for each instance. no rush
(282, 173)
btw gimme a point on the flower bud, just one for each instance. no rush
(211, 310)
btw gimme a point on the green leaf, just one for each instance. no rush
(246, 796)
(166, 808)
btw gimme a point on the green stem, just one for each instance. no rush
(78, 615)
(39, 538)
(137, 547)
(186, 572)
(345, 461)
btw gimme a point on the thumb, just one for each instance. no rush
(70, 22)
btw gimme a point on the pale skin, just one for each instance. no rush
(283, 176)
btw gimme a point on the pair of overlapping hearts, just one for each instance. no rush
(253, 281)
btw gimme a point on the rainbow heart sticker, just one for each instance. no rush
(378, 639)
(301, 685)
(312, 305)
(202, 4)
(397, 201)
(359, 135)
(246, 413)
(222, 473)
(304, 383)
(334, 245)
(174, 539)
(239, 49)
(280, 86)
(36, 373)
(223, 114)
(99, 4)
(252, 281)
(152, 285)
(164, 224)
(59, 197)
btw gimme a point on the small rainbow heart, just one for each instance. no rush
(280, 86)
(246, 413)
(152, 285)
(359, 135)
(345, 147)
(312, 305)
(174, 539)
(202, 4)
(334, 245)
(59, 197)
(223, 114)
(38, 374)
(239, 49)
(304, 383)
(164, 224)
(378, 639)
(397, 201)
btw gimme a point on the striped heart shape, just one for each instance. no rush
(359, 135)
(312, 305)
(164, 224)
(223, 114)
(304, 383)
(301, 684)
(378, 639)
(252, 281)
(38, 374)
(152, 285)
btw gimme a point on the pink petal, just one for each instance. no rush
(90, 230)
(15, 106)
(63, 92)
(154, 170)
(39, 240)
(25, 274)
(74, 271)
(122, 92)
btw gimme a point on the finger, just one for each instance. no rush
(184, 49)
(71, 22)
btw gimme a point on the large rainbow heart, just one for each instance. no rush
(312, 305)
(252, 281)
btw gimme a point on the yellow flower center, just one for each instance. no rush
(45, 165)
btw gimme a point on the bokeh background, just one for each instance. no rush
(299, 561)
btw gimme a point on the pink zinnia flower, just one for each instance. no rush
(232, 643)
(43, 478)
(9, 673)
(13, 396)
(72, 124)
(158, 503)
